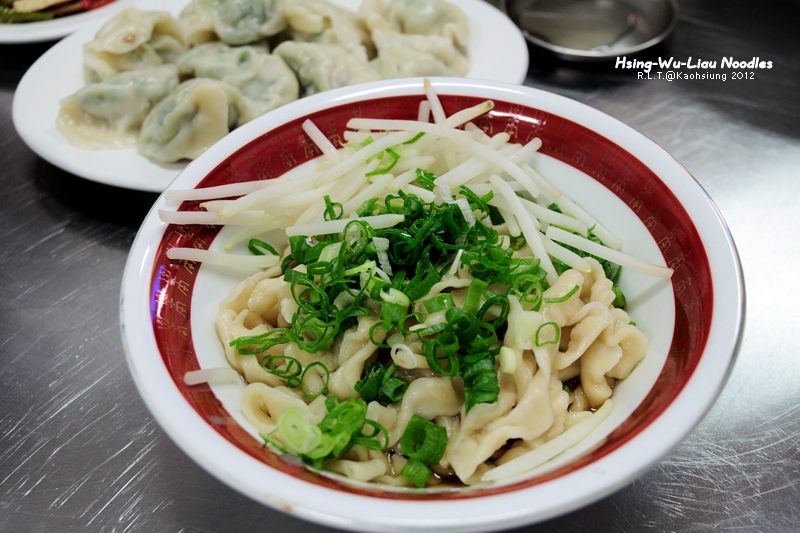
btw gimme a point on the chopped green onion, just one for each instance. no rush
(368, 440)
(438, 303)
(395, 296)
(257, 247)
(386, 166)
(424, 443)
(474, 293)
(429, 330)
(333, 210)
(415, 138)
(438, 350)
(425, 179)
(541, 332)
(508, 360)
(393, 388)
(257, 344)
(284, 367)
(619, 298)
(319, 268)
(340, 430)
(423, 281)
(564, 298)
(379, 384)
(347, 419)
(370, 385)
(324, 388)
(481, 384)
(392, 314)
(330, 253)
(424, 440)
(298, 435)
(417, 472)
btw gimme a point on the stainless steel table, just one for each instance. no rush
(80, 452)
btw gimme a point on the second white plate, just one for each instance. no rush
(51, 30)
(497, 52)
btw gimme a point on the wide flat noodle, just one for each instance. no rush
(559, 350)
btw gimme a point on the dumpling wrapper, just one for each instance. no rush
(320, 67)
(401, 55)
(183, 125)
(108, 114)
(233, 22)
(133, 39)
(265, 80)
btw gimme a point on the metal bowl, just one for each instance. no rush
(592, 30)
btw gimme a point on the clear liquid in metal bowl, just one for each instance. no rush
(590, 29)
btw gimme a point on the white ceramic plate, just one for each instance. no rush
(693, 322)
(497, 51)
(51, 30)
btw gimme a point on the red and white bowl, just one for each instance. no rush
(637, 190)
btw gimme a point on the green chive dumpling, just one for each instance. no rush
(430, 17)
(264, 80)
(234, 21)
(320, 67)
(108, 114)
(133, 39)
(408, 55)
(217, 59)
(198, 24)
(194, 116)
(418, 17)
(321, 21)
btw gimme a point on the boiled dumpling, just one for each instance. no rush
(401, 55)
(235, 21)
(374, 15)
(430, 17)
(134, 39)
(266, 85)
(419, 17)
(190, 119)
(185, 81)
(198, 24)
(321, 21)
(216, 59)
(108, 114)
(320, 67)
(264, 80)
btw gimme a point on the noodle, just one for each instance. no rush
(495, 337)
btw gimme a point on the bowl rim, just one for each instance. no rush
(569, 492)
